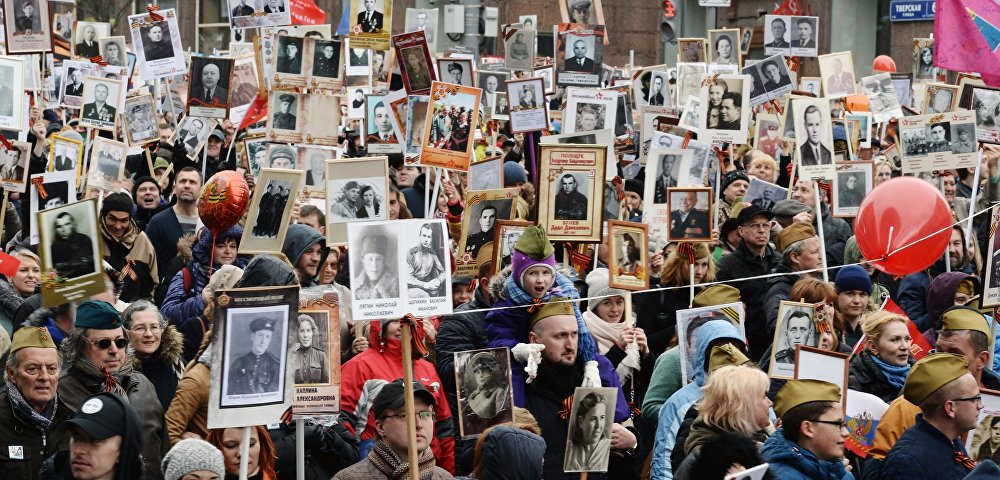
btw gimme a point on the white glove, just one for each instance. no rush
(591, 377)
(531, 355)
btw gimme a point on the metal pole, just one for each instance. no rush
(300, 449)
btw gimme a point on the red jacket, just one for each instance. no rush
(362, 378)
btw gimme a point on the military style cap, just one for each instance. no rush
(718, 294)
(789, 208)
(964, 318)
(31, 337)
(97, 314)
(373, 244)
(261, 324)
(535, 243)
(485, 255)
(931, 373)
(793, 233)
(282, 152)
(286, 98)
(725, 354)
(556, 306)
(798, 392)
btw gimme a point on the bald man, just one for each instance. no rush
(210, 91)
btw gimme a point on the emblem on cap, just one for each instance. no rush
(43, 333)
(93, 405)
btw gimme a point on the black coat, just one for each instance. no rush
(656, 315)
(328, 450)
(743, 264)
(37, 446)
(865, 376)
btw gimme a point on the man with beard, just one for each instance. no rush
(570, 204)
(126, 245)
(166, 227)
(427, 275)
(376, 280)
(487, 222)
(258, 371)
(72, 252)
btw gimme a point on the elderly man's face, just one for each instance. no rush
(111, 358)
(210, 75)
(579, 49)
(101, 93)
(89, 33)
(805, 32)
(77, 77)
(568, 184)
(369, 5)
(37, 375)
(491, 84)
(688, 201)
(156, 34)
(486, 219)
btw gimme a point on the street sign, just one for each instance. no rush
(911, 10)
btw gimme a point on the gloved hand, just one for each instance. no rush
(531, 355)
(591, 377)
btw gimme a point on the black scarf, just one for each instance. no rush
(560, 380)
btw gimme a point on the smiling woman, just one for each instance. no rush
(13, 290)
(156, 348)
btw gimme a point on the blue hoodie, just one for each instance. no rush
(673, 411)
(788, 461)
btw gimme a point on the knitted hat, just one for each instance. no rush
(532, 249)
(117, 202)
(97, 314)
(141, 180)
(513, 173)
(191, 455)
(793, 233)
(634, 186)
(729, 177)
(931, 373)
(853, 277)
(597, 286)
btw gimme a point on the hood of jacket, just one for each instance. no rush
(185, 247)
(299, 239)
(267, 271)
(506, 443)
(709, 332)
(781, 451)
(171, 348)
(941, 293)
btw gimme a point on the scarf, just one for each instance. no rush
(563, 287)
(42, 421)
(387, 462)
(119, 382)
(894, 374)
(561, 380)
(607, 335)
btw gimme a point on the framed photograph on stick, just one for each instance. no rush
(415, 63)
(508, 233)
(101, 99)
(209, 87)
(590, 420)
(479, 224)
(691, 319)
(14, 171)
(528, 112)
(852, 184)
(449, 126)
(579, 54)
(269, 210)
(813, 363)
(571, 191)
(984, 443)
(27, 25)
(485, 397)
(796, 326)
(317, 391)
(107, 164)
(628, 255)
(486, 175)
(140, 120)
(991, 282)
(157, 44)
(370, 24)
(11, 89)
(813, 137)
(70, 247)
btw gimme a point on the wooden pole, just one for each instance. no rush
(411, 414)
(3, 212)
(245, 453)
(818, 210)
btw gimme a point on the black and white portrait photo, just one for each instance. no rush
(986, 104)
(482, 223)
(285, 115)
(289, 55)
(309, 357)
(70, 235)
(272, 205)
(100, 103)
(426, 275)
(519, 50)
(156, 42)
(939, 98)
(255, 355)
(314, 162)
(764, 194)
(690, 216)
(86, 36)
(771, 79)
(570, 202)
(837, 71)
(725, 108)
(140, 120)
(65, 154)
(963, 138)
(724, 47)
(270, 209)
(193, 132)
(813, 133)
(579, 55)
(501, 106)
(354, 199)
(210, 81)
(358, 61)
(326, 59)
(113, 51)
(415, 68)
(486, 175)
(490, 83)
(589, 117)
(805, 32)
(107, 164)
(853, 182)
(485, 397)
(663, 167)
(73, 83)
(659, 93)
(795, 327)
(457, 71)
(776, 35)
(423, 20)
(11, 80)
(14, 167)
(370, 16)
(588, 443)
(27, 26)
(527, 105)
(882, 99)
(374, 269)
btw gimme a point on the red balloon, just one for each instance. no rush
(884, 63)
(898, 213)
(223, 200)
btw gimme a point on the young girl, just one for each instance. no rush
(533, 282)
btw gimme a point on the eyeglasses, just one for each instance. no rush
(836, 423)
(978, 399)
(105, 343)
(424, 415)
(142, 329)
(757, 226)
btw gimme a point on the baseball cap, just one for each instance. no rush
(392, 396)
(101, 416)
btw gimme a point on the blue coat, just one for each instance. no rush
(673, 411)
(789, 461)
(924, 452)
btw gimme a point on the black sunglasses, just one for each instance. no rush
(105, 343)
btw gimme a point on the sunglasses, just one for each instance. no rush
(105, 343)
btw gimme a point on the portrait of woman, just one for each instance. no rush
(630, 256)
(307, 361)
(925, 64)
(528, 97)
(369, 205)
(724, 52)
(590, 441)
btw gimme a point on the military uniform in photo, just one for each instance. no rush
(72, 256)
(255, 373)
(310, 365)
(370, 21)
(104, 113)
(282, 120)
(692, 225)
(570, 206)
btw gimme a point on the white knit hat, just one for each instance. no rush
(597, 286)
(191, 455)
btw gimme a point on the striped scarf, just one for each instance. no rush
(395, 468)
(43, 421)
(563, 287)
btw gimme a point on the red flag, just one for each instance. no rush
(789, 7)
(256, 112)
(306, 12)
(9, 265)
(919, 347)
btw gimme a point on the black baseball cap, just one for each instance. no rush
(392, 396)
(101, 416)
(752, 211)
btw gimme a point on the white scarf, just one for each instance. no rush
(606, 335)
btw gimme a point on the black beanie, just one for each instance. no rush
(117, 202)
(141, 180)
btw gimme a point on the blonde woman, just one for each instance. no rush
(882, 367)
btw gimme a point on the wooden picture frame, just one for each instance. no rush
(812, 363)
(260, 234)
(506, 235)
(628, 238)
(471, 418)
(936, 91)
(574, 216)
(478, 205)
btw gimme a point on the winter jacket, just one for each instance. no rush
(665, 381)
(182, 305)
(36, 445)
(328, 450)
(10, 301)
(299, 239)
(941, 296)
(502, 444)
(914, 290)
(836, 231)
(44, 317)
(165, 367)
(366, 470)
(415, 196)
(789, 461)
(744, 264)
(135, 251)
(656, 314)
(865, 376)
(142, 215)
(75, 386)
(188, 411)
(363, 376)
(924, 452)
(673, 411)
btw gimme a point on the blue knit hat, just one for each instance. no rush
(853, 277)
(513, 173)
